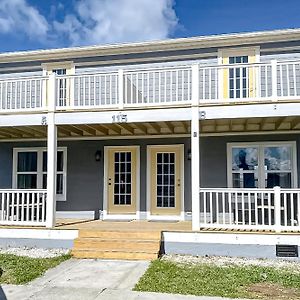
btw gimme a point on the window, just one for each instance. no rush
(262, 165)
(64, 87)
(238, 82)
(238, 78)
(30, 170)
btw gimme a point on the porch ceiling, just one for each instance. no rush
(250, 125)
(98, 130)
(219, 126)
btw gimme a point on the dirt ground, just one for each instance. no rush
(273, 291)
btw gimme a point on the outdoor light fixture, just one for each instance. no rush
(98, 155)
(189, 154)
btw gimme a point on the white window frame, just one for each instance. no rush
(261, 146)
(40, 172)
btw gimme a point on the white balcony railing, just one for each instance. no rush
(257, 82)
(23, 207)
(157, 87)
(26, 93)
(271, 209)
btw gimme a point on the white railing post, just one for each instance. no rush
(121, 88)
(274, 79)
(277, 209)
(44, 83)
(51, 93)
(195, 151)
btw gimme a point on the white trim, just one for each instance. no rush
(239, 51)
(137, 115)
(170, 44)
(39, 171)
(49, 67)
(105, 213)
(52, 234)
(231, 238)
(260, 146)
(89, 214)
(96, 138)
(183, 135)
(180, 217)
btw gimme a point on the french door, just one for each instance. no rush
(165, 179)
(262, 165)
(121, 181)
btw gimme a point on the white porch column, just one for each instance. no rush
(195, 150)
(51, 153)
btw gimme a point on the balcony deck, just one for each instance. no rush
(153, 88)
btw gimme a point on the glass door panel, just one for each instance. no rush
(278, 166)
(238, 78)
(122, 180)
(245, 167)
(165, 179)
(165, 191)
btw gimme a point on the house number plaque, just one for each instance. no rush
(119, 118)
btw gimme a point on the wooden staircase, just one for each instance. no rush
(135, 245)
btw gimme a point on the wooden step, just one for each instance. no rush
(117, 244)
(139, 235)
(114, 254)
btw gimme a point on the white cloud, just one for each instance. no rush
(90, 22)
(18, 16)
(108, 21)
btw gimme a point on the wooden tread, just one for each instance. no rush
(114, 255)
(115, 244)
(141, 235)
(131, 245)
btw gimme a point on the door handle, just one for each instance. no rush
(109, 181)
(178, 182)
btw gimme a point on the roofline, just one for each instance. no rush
(220, 40)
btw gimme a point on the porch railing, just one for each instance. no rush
(24, 93)
(23, 207)
(271, 81)
(271, 209)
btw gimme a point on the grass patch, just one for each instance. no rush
(224, 281)
(21, 269)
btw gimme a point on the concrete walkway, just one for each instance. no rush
(89, 280)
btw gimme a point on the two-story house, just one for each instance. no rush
(204, 129)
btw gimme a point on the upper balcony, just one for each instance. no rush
(153, 87)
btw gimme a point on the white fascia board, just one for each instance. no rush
(23, 119)
(252, 111)
(231, 238)
(220, 40)
(153, 115)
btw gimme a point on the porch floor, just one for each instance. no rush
(124, 225)
(139, 226)
(144, 225)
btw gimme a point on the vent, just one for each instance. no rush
(287, 250)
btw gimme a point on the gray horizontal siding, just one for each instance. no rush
(85, 175)
(179, 56)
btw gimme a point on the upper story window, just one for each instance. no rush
(63, 86)
(238, 81)
(238, 78)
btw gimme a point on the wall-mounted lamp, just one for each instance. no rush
(189, 154)
(98, 155)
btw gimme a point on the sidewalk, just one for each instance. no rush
(90, 279)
